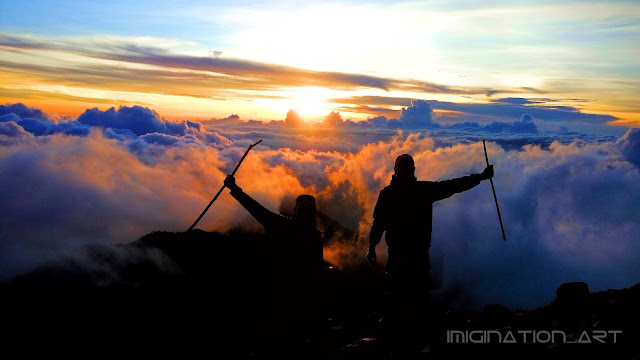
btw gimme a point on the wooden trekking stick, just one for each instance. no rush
(222, 188)
(504, 237)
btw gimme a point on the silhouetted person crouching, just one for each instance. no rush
(404, 212)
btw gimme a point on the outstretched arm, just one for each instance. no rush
(265, 217)
(445, 189)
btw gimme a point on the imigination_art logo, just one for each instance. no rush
(530, 337)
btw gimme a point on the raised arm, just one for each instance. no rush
(265, 217)
(444, 189)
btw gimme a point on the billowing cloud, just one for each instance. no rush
(39, 123)
(629, 143)
(232, 119)
(43, 127)
(571, 210)
(293, 119)
(139, 120)
(22, 111)
(496, 110)
(11, 132)
(69, 191)
(333, 119)
(526, 118)
(137, 123)
(12, 129)
(418, 115)
(524, 126)
(134, 123)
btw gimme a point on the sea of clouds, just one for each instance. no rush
(570, 203)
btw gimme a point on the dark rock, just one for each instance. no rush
(496, 315)
(209, 295)
(571, 297)
(572, 291)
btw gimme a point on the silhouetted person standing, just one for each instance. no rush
(296, 259)
(404, 212)
(297, 236)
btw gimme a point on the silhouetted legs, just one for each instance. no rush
(405, 315)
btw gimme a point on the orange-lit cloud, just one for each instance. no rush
(570, 207)
(81, 72)
(237, 71)
(109, 70)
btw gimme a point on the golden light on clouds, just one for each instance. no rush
(310, 101)
(68, 75)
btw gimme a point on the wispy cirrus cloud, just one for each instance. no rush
(215, 73)
(38, 94)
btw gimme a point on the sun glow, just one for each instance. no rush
(310, 101)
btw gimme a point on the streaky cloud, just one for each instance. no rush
(243, 71)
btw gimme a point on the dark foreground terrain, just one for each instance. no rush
(211, 296)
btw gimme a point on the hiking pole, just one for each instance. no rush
(222, 188)
(504, 237)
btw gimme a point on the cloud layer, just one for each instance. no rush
(571, 209)
(500, 109)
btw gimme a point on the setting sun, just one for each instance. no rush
(311, 101)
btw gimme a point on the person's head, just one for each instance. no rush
(305, 211)
(404, 167)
